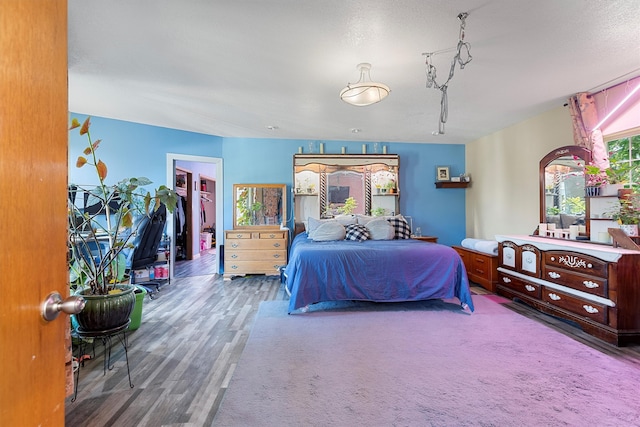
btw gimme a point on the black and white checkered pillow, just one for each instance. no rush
(357, 232)
(403, 231)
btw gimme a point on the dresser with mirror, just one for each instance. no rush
(258, 243)
(593, 284)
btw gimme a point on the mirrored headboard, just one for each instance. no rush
(259, 205)
(323, 183)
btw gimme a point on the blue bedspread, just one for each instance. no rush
(373, 270)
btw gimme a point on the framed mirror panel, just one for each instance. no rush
(562, 187)
(259, 205)
(323, 183)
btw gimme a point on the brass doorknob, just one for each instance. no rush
(54, 304)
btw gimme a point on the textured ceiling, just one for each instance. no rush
(234, 68)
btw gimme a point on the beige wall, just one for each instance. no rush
(504, 194)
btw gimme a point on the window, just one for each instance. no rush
(624, 155)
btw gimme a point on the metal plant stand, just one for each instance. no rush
(106, 337)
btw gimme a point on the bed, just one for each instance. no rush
(373, 270)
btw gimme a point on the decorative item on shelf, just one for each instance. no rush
(100, 233)
(592, 191)
(442, 173)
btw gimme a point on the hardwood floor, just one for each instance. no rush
(188, 345)
(201, 266)
(181, 358)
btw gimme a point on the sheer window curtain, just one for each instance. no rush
(585, 117)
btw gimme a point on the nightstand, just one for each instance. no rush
(432, 239)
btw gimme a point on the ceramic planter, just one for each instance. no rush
(104, 313)
(630, 229)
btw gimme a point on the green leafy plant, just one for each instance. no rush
(629, 210)
(378, 212)
(349, 206)
(100, 267)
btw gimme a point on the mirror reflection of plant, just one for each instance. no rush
(349, 206)
(576, 205)
(246, 209)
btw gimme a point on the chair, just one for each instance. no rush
(146, 244)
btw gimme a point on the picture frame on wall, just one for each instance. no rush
(442, 173)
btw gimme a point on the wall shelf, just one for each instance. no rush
(450, 184)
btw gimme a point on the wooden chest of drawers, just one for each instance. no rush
(595, 286)
(254, 252)
(482, 268)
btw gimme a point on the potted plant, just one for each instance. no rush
(628, 214)
(609, 180)
(98, 240)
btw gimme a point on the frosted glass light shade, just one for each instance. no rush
(364, 92)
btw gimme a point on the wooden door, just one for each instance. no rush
(33, 226)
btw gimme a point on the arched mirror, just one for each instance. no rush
(562, 187)
(259, 205)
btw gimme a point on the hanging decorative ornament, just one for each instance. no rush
(462, 58)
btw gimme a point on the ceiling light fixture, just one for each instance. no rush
(364, 92)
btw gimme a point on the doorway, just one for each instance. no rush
(202, 190)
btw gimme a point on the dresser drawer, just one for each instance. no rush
(235, 234)
(579, 306)
(253, 267)
(519, 285)
(272, 235)
(254, 244)
(481, 266)
(253, 255)
(581, 282)
(576, 262)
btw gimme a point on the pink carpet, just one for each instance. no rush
(421, 364)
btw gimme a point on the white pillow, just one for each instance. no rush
(313, 224)
(380, 229)
(345, 219)
(330, 230)
(364, 219)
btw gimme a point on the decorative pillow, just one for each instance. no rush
(401, 227)
(357, 232)
(313, 224)
(330, 230)
(380, 229)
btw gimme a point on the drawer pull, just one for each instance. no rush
(234, 245)
(529, 288)
(276, 255)
(555, 297)
(276, 245)
(239, 236)
(271, 236)
(554, 275)
(234, 256)
(235, 267)
(506, 280)
(590, 309)
(589, 284)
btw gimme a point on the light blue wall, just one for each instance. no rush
(140, 150)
